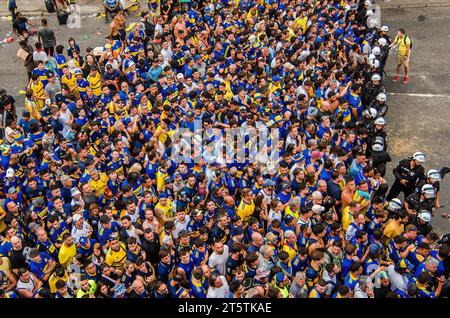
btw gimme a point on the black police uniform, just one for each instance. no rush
(404, 171)
(378, 159)
(370, 92)
(380, 108)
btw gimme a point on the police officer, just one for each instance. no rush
(393, 207)
(367, 118)
(372, 89)
(377, 133)
(407, 173)
(423, 220)
(380, 104)
(423, 199)
(378, 156)
(434, 178)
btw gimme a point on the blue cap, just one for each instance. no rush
(276, 78)
(163, 195)
(83, 240)
(126, 121)
(280, 277)
(269, 183)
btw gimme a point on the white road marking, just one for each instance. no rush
(420, 95)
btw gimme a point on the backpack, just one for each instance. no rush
(410, 41)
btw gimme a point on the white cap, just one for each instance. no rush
(317, 208)
(74, 191)
(77, 217)
(180, 75)
(384, 28)
(10, 173)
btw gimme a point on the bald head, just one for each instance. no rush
(257, 239)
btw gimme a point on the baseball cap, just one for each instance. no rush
(286, 185)
(77, 217)
(269, 183)
(280, 277)
(74, 191)
(83, 240)
(12, 190)
(317, 208)
(10, 173)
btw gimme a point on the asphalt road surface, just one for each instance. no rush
(418, 112)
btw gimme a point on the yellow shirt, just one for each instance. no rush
(291, 250)
(245, 210)
(294, 214)
(360, 199)
(347, 218)
(116, 259)
(166, 209)
(392, 230)
(160, 184)
(99, 186)
(32, 107)
(95, 82)
(38, 92)
(403, 44)
(301, 22)
(53, 279)
(5, 264)
(162, 135)
(71, 82)
(66, 254)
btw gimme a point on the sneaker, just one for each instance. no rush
(405, 80)
(395, 78)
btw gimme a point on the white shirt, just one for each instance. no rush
(180, 226)
(397, 280)
(78, 233)
(219, 261)
(222, 292)
(167, 54)
(40, 56)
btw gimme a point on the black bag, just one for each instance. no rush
(62, 16)
(50, 5)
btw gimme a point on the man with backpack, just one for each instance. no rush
(404, 45)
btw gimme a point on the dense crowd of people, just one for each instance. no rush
(97, 204)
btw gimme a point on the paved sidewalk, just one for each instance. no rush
(394, 4)
(33, 7)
